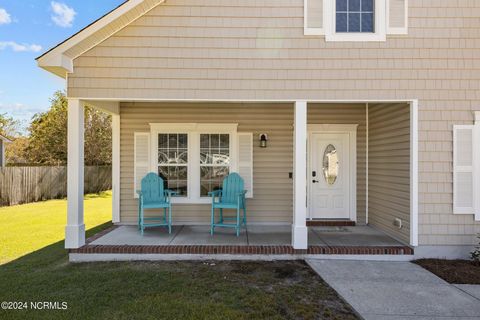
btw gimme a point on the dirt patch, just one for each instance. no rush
(283, 289)
(453, 271)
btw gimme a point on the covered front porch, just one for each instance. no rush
(122, 242)
(335, 176)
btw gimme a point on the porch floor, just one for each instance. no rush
(358, 236)
(126, 242)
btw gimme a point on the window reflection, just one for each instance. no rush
(173, 161)
(330, 164)
(214, 161)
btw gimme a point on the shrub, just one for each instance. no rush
(475, 254)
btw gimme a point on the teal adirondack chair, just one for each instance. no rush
(231, 196)
(154, 196)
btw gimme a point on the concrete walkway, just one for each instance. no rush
(397, 290)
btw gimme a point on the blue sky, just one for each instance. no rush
(27, 29)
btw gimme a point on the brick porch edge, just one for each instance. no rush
(332, 223)
(236, 250)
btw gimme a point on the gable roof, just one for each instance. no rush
(59, 59)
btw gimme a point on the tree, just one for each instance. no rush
(15, 152)
(9, 127)
(48, 135)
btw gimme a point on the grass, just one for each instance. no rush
(29, 227)
(149, 290)
(453, 271)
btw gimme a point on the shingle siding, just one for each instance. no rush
(273, 193)
(224, 49)
(272, 187)
(389, 168)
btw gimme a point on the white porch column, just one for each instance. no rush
(299, 228)
(476, 157)
(75, 229)
(116, 167)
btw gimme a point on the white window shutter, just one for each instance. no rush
(463, 170)
(313, 17)
(141, 159)
(245, 160)
(476, 165)
(397, 16)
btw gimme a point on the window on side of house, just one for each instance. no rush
(355, 16)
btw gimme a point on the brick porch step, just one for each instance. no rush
(330, 223)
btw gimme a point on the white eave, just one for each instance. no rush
(5, 139)
(60, 62)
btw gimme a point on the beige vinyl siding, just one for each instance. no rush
(347, 114)
(273, 193)
(389, 168)
(256, 50)
(112, 28)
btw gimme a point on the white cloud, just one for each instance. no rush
(18, 109)
(17, 47)
(4, 17)
(63, 15)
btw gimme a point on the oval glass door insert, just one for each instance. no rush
(330, 164)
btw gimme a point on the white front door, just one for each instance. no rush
(329, 178)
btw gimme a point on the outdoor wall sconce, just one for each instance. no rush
(263, 140)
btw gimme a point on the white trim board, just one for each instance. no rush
(351, 129)
(414, 173)
(293, 100)
(193, 130)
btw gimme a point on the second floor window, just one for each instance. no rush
(355, 16)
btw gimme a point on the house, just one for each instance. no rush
(371, 108)
(3, 142)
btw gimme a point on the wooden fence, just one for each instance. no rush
(30, 184)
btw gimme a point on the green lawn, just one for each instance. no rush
(146, 290)
(29, 227)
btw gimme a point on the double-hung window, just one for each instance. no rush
(355, 16)
(173, 161)
(214, 161)
(355, 20)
